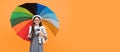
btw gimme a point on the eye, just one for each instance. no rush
(37, 20)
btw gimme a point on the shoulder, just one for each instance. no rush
(30, 26)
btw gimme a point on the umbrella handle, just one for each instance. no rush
(29, 37)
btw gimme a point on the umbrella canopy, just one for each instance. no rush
(21, 18)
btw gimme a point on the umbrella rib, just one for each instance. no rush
(24, 13)
(54, 22)
(46, 12)
(40, 11)
(24, 10)
(47, 16)
(15, 22)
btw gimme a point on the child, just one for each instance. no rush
(37, 29)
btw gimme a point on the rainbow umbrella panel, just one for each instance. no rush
(21, 18)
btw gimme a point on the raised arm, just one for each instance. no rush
(29, 33)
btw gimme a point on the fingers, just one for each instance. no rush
(41, 34)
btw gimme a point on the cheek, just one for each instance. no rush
(38, 21)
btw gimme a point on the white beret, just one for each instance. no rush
(36, 16)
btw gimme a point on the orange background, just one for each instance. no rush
(85, 26)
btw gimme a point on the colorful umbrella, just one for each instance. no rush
(21, 18)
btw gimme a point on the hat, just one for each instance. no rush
(36, 16)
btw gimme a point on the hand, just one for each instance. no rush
(29, 36)
(41, 34)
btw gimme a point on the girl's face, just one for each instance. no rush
(37, 20)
